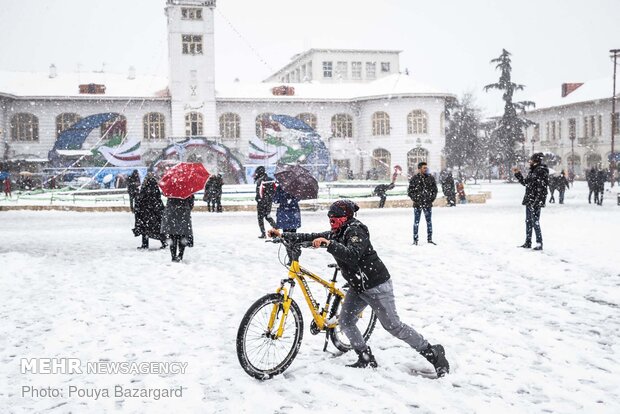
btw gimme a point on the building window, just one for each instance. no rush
(308, 118)
(414, 157)
(371, 70)
(615, 121)
(191, 13)
(599, 125)
(154, 125)
(586, 130)
(342, 126)
(356, 70)
(303, 73)
(115, 127)
(385, 66)
(382, 161)
(327, 69)
(193, 124)
(342, 70)
(263, 121)
(380, 123)
(559, 130)
(192, 44)
(65, 121)
(536, 134)
(417, 122)
(572, 128)
(24, 127)
(230, 126)
(592, 125)
(552, 130)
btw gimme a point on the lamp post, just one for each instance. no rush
(615, 53)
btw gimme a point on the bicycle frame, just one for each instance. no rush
(296, 273)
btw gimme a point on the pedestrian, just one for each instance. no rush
(448, 189)
(288, 214)
(133, 187)
(460, 189)
(552, 187)
(562, 184)
(216, 189)
(536, 184)
(148, 209)
(177, 224)
(265, 189)
(422, 191)
(208, 192)
(381, 191)
(7, 187)
(591, 178)
(370, 285)
(571, 177)
(601, 177)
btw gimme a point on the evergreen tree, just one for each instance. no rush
(509, 132)
(464, 145)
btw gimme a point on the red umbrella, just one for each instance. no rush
(183, 180)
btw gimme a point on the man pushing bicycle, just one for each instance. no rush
(370, 285)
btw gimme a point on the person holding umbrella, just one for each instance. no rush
(179, 184)
(265, 189)
(288, 214)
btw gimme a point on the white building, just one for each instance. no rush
(574, 123)
(366, 111)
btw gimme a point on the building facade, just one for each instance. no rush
(368, 113)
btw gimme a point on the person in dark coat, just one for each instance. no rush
(370, 285)
(601, 177)
(448, 189)
(536, 184)
(133, 187)
(288, 214)
(591, 178)
(562, 184)
(177, 223)
(208, 192)
(460, 189)
(216, 189)
(422, 191)
(148, 210)
(381, 191)
(265, 188)
(553, 185)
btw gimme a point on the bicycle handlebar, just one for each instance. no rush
(304, 244)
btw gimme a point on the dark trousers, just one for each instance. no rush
(600, 193)
(552, 198)
(451, 200)
(175, 243)
(595, 192)
(417, 213)
(215, 204)
(263, 213)
(131, 201)
(382, 201)
(145, 241)
(562, 195)
(532, 220)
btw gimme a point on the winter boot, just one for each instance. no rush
(526, 245)
(430, 241)
(364, 359)
(436, 355)
(415, 242)
(538, 246)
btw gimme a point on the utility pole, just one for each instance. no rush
(615, 53)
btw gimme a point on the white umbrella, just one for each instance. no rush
(108, 178)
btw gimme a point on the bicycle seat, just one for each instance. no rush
(333, 265)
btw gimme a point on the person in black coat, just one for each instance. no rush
(536, 184)
(216, 189)
(177, 223)
(553, 185)
(265, 189)
(591, 178)
(422, 191)
(370, 285)
(208, 192)
(562, 184)
(133, 187)
(448, 188)
(381, 191)
(148, 210)
(601, 177)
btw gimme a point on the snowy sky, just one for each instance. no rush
(446, 44)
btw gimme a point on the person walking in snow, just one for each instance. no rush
(552, 187)
(133, 187)
(177, 223)
(265, 188)
(591, 178)
(218, 183)
(536, 184)
(208, 193)
(288, 214)
(600, 178)
(349, 243)
(148, 209)
(447, 187)
(7, 187)
(381, 191)
(422, 191)
(562, 185)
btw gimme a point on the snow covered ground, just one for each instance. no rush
(524, 331)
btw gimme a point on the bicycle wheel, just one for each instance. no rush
(366, 324)
(260, 354)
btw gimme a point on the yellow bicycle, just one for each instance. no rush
(271, 331)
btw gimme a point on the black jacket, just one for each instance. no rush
(148, 210)
(536, 184)
(264, 193)
(447, 185)
(422, 190)
(351, 247)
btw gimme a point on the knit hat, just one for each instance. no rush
(538, 157)
(343, 208)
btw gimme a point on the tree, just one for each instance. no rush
(509, 132)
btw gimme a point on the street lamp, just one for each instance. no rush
(615, 53)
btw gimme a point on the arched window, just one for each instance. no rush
(24, 127)
(381, 162)
(230, 126)
(154, 125)
(65, 121)
(593, 160)
(342, 126)
(380, 123)
(414, 157)
(308, 118)
(262, 122)
(193, 124)
(114, 127)
(417, 122)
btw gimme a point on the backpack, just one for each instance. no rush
(268, 188)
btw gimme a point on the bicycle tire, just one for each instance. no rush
(257, 369)
(338, 337)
